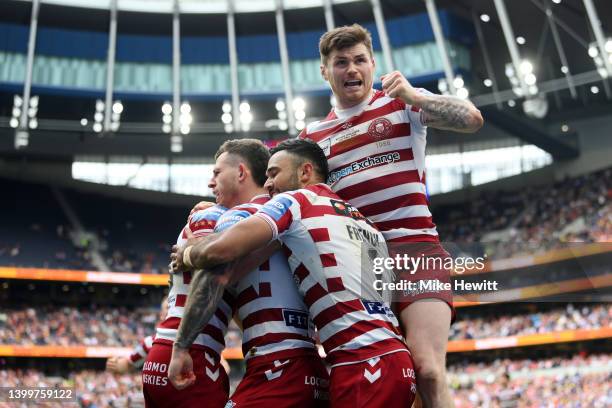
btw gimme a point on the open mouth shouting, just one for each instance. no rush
(353, 84)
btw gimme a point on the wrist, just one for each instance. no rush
(187, 257)
(179, 348)
(416, 99)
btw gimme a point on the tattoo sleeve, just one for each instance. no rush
(205, 292)
(451, 113)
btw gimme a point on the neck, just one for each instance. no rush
(348, 105)
(248, 193)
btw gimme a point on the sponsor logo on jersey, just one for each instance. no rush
(296, 318)
(374, 307)
(230, 218)
(380, 128)
(325, 145)
(368, 162)
(347, 210)
(277, 207)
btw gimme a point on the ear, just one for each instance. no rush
(242, 172)
(306, 172)
(324, 72)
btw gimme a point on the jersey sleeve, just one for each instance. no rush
(230, 218)
(140, 352)
(415, 114)
(203, 222)
(279, 213)
(303, 134)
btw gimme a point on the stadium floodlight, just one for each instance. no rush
(282, 115)
(245, 107)
(16, 112)
(298, 104)
(185, 119)
(33, 123)
(97, 127)
(485, 18)
(84, 122)
(246, 118)
(117, 107)
(99, 105)
(98, 117)
(17, 101)
(185, 129)
(300, 124)
(227, 107)
(280, 105)
(300, 115)
(599, 57)
(167, 119)
(166, 128)
(282, 125)
(226, 118)
(228, 127)
(594, 90)
(520, 40)
(14, 122)
(34, 101)
(488, 83)
(459, 84)
(166, 108)
(185, 108)
(525, 76)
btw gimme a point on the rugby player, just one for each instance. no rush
(329, 246)
(374, 141)
(283, 366)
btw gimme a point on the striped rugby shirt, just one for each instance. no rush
(140, 352)
(212, 336)
(376, 156)
(274, 319)
(324, 239)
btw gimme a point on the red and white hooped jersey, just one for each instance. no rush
(212, 336)
(275, 321)
(140, 352)
(330, 246)
(376, 156)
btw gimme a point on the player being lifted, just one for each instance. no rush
(325, 240)
(374, 141)
(283, 367)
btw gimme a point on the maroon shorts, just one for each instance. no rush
(295, 382)
(386, 381)
(430, 280)
(210, 389)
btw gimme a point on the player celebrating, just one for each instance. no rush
(375, 144)
(327, 241)
(211, 381)
(283, 367)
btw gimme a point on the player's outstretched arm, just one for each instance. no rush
(439, 111)
(238, 241)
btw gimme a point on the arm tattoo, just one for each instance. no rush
(447, 112)
(205, 292)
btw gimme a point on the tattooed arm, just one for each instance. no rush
(449, 113)
(439, 111)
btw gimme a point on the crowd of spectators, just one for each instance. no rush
(64, 326)
(94, 326)
(535, 219)
(572, 317)
(93, 389)
(581, 382)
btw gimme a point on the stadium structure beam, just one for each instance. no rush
(379, 19)
(515, 56)
(598, 32)
(561, 51)
(233, 57)
(329, 14)
(110, 65)
(487, 61)
(432, 12)
(284, 54)
(177, 140)
(21, 136)
(531, 132)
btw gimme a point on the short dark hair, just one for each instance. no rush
(306, 150)
(344, 37)
(254, 153)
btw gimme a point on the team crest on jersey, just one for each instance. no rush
(380, 128)
(230, 404)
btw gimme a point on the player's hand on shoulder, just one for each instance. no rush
(118, 365)
(395, 85)
(202, 205)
